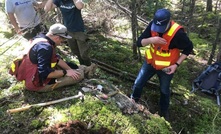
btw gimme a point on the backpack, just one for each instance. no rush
(209, 81)
(17, 68)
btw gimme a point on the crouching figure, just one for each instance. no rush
(42, 69)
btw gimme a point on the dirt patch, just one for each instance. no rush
(74, 127)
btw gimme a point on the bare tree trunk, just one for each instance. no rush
(209, 6)
(183, 5)
(156, 5)
(191, 11)
(216, 7)
(126, 11)
(215, 44)
(134, 27)
(201, 28)
(217, 38)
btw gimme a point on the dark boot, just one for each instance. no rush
(165, 114)
(134, 99)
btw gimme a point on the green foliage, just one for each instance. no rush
(36, 123)
(210, 121)
(157, 126)
(8, 34)
(149, 7)
(181, 86)
(199, 115)
(114, 53)
(201, 46)
(93, 111)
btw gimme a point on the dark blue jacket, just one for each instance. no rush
(41, 54)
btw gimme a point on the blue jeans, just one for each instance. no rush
(146, 72)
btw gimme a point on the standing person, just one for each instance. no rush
(165, 39)
(24, 17)
(72, 18)
(43, 70)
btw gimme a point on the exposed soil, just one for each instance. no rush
(74, 127)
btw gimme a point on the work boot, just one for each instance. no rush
(135, 100)
(164, 114)
(89, 70)
(92, 69)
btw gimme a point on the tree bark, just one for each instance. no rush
(209, 6)
(191, 11)
(217, 39)
(134, 27)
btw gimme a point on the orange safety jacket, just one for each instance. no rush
(160, 56)
(28, 71)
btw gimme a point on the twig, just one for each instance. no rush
(121, 73)
(218, 112)
(181, 131)
(195, 111)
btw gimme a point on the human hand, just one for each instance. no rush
(171, 69)
(158, 40)
(18, 30)
(76, 1)
(38, 4)
(73, 73)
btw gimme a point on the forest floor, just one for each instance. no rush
(189, 113)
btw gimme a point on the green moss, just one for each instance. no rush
(158, 126)
(200, 115)
(35, 123)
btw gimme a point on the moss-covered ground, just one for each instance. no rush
(189, 113)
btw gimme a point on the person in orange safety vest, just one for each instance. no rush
(168, 45)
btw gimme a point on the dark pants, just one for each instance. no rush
(32, 32)
(146, 72)
(80, 47)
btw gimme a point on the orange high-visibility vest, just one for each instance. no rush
(160, 56)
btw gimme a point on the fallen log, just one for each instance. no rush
(121, 73)
(116, 71)
(113, 93)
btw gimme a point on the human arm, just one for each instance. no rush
(49, 5)
(172, 68)
(79, 4)
(41, 54)
(10, 11)
(13, 21)
(57, 73)
(182, 42)
(153, 40)
(146, 39)
(70, 72)
(60, 73)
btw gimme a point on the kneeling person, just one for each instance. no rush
(44, 70)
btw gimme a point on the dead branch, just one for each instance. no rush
(120, 73)
(125, 10)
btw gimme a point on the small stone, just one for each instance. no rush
(85, 89)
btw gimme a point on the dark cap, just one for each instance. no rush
(160, 20)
